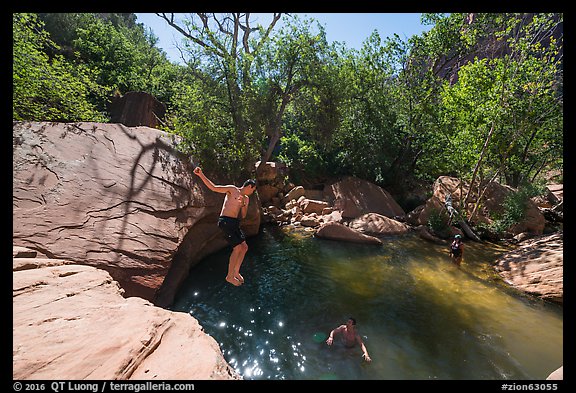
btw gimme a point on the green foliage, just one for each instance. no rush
(394, 112)
(302, 157)
(122, 57)
(301, 92)
(67, 68)
(517, 94)
(366, 139)
(438, 223)
(48, 89)
(204, 128)
(514, 207)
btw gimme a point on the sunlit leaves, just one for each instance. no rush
(47, 89)
(393, 111)
(517, 93)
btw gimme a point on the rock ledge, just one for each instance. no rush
(71, 322)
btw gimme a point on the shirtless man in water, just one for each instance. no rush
(235, 203)
(350, 337)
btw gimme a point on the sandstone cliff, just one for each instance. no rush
(119, 198)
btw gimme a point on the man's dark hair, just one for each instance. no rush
(249, 182)
(353, 320)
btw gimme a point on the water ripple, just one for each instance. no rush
(420, 316)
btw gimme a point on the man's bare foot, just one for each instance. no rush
(239, 277)
(234, 281)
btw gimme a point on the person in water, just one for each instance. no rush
(350, 337)
(457, 250)
(235, 204)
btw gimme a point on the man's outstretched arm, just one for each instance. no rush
(209, 183)
(364, 349)
(330, 338)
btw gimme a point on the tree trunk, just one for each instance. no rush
(274, 138)
(479, 162)
(481, 194)
(276, 127)
(454, 213)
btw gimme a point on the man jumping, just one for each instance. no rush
(235, 203)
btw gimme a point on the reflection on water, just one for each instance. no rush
(419, 315)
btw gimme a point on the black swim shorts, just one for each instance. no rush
(231, 228)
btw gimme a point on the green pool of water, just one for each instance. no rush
(419, 315)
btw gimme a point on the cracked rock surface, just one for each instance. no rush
(119, 198)
(536, 267)
(71, 322)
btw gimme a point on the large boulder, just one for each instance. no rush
(71, 322)
(118, 198)
(355, 197)
(444, 185)
(556, 192)
(294, 194)
(373, 223)
(536, 267)
(270, 179)
(337, 231)
(271, 171)
(493, 202)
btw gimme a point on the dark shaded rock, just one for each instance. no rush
(355, 197)
(136, 108)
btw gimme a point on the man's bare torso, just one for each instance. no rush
(232, 203)
(349, 337)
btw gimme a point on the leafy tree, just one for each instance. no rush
(221, 50)
(121, 53)
(506, 112)
(420, 152)
(48, 89)
(430, 61)
(110, 52)
(478, 96)
(368, 140)
(198, 116)
(297, 95)
(305, 158)
(509, 108)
